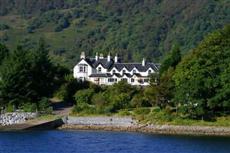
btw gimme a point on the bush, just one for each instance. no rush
(4, 26)
(139, 101)
(84, 96)
(68, 89)
(28, 107)
(99, 100)
(83, 108)
(124, 112)
(118, 102)
(44, 106)
(10, 107)
(142, 111)
(62, 24)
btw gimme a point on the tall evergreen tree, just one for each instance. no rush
(173, 58)
(3, 52)
(42, 71)
(26, 76)
(15, 77)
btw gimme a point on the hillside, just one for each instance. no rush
(132, 28)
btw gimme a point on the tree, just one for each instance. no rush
(28, 76)
(173, 58)
(42, 71)
(201, 79)
(15, 77)
(161, 94)
(3, 52)
(161, 91)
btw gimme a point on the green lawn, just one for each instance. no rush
(161, 117)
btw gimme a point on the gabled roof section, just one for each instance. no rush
(94, 63)
(138, 66)
(119, 66)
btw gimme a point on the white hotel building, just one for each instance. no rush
(107, 71)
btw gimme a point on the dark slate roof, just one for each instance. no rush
(117, 75)
(102, 61)
(158, 65)
(119, 66)
(138, 66)
(128, 75)
(137, 74)
(100, 75)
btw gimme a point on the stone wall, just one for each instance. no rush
(16, 117)
(129, 124)
(105, 121)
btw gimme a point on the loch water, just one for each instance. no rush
(108, 142)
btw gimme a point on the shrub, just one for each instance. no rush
(83, 108)
(68, 89)
(99, 100)
(141, 111)
(124, 112)
(139, 101)
(28, 107)
(4, 26)
(118, 102)
(44, 106)
(84, 96)
(10, 107)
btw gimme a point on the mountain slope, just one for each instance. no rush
(132, 28)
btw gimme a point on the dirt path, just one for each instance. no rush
(61, 109)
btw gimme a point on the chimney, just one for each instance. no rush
(116, 58)
(108, 58)
(82, 55)
(96, 57)
(101, 56)
(143, 62)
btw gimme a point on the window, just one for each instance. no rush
(132, 80)
(146, 80)
(124, 79)
(149, 71)
(134, 71)
(99, 69)
(111, 80)
(140, 81)
(123, 71)
(114, 71)
(81, 69)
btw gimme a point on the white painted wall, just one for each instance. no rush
(111, 71)
(103, 70)
(77, 74)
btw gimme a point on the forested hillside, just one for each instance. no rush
(132, 28)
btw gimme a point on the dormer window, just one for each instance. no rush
(134, 71)
(149, 72)
(123, 71)
(114, 71)
(99, 69)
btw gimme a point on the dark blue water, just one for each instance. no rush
(107, 142)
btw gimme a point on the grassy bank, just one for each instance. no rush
(157, 116)
(162, 117)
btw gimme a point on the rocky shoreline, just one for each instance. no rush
(128, 124)
(16, 117)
